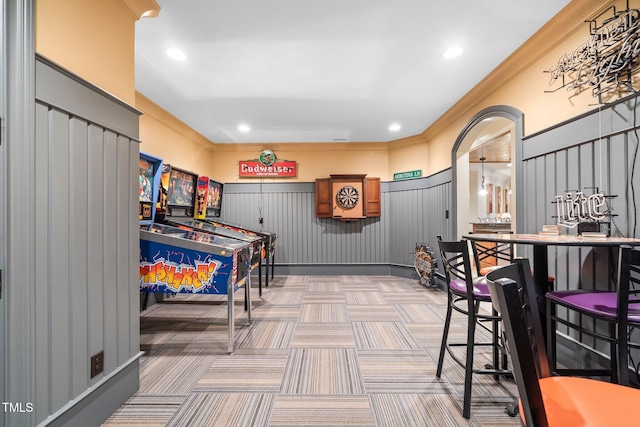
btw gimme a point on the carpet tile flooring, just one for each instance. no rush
(320, 351)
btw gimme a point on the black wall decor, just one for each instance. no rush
(606, 61)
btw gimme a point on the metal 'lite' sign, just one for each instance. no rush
(574, 208)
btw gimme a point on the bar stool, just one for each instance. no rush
(619, 309)
(500, 251)
(464, 295)
(483, 251)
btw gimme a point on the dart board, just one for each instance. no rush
(348, 197)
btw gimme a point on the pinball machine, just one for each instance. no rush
(174, 260)
(207, 202)
(207, 209)
(268, 242)
(255, 242)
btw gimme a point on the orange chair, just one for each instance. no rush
(546, 400)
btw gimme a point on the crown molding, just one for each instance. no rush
(561, 27)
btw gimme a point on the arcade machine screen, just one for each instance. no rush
(214, 199)
(161, 204)
(146, 180)
(148, 185)
(181, 191)
(202, 191)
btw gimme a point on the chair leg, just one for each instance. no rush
(495, 332)
(505, 362)
(445, 335)
(551, 336)
(468, 374)
(621, 365)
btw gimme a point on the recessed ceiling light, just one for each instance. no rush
(452, 52)
(176, 54)
(150, 13)
(394, 127)
(244, 128)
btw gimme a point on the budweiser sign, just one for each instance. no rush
(267, 166)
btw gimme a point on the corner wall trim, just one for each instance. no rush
(99, 402)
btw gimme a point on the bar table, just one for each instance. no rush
(541, 243)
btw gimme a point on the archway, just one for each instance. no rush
(484, 124)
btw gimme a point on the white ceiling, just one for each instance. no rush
(324, 70)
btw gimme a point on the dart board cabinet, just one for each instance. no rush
(348, 197)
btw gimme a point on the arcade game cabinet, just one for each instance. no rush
(186, 261)
(268, 242)
(208, 200)
(255, 242)
(148, 188)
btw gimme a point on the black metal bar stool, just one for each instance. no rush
(465, 293)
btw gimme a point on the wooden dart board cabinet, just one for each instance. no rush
(347, 197)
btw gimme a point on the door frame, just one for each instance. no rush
(3, 204)
(17, 185)
(515, 116)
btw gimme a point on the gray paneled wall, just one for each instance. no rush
(418, 213)
(598, 149)
(289, 211)
(412, 211)
(594, 150)
(86, 246)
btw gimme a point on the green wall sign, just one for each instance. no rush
(407, 175)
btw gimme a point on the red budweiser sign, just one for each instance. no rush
(279, 168)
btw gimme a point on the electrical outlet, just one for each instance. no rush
(97, 364)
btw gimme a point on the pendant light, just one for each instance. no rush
(483, 190)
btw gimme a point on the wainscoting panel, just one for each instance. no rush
(86, 244)
(412, 211)
(289, 211)
(599, 151)
(418, 216)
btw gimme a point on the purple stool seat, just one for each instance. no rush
(601, 304)
(480, 288)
